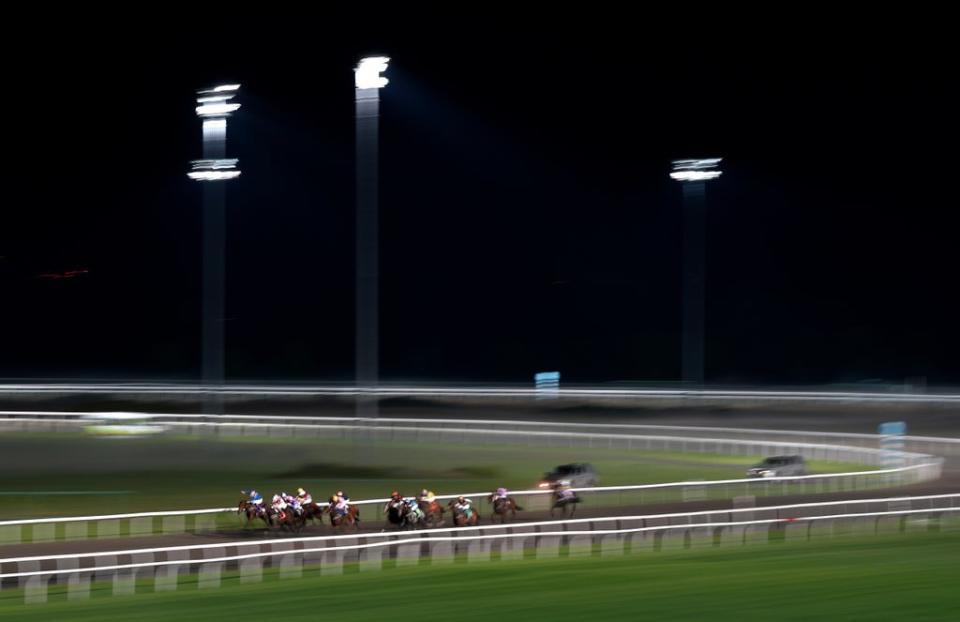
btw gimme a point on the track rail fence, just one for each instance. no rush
(917, 467)
(570, 392)
(127, 572)
(285, 425)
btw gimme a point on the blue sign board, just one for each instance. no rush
(547, 382)
(893, 428)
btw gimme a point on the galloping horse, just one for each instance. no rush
(400, 513)
(462, 518)
(432, 512)
(286, 519)
(564, 499)
(313, 511)
(394, 511)
(351, 518)
(503, 506)
(252, 511)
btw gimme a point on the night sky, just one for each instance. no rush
(527, 219)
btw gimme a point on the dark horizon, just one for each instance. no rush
(527, 220)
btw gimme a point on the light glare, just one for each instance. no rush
(702, 169)
(208, 110)
(367, 74)
(213, 175)
(214, 170)
(695, 175)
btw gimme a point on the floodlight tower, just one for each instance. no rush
(694, 174)
(368, 81)
(213, 107)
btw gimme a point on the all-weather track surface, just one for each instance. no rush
(375, 524)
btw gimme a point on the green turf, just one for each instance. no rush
(897, 577)
(182, 473)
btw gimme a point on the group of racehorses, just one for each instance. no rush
(295, 519)
(401, 513)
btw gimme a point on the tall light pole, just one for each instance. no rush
(368, 83)
(213, 107)
(694, 174)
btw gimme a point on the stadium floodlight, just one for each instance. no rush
(216, 110)
(368, 70)
(218, 169)
(213, 108)
(703, 169)
(214, 101)
(694, 173)
(368, 80)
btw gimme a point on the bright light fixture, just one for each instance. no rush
(696, 170)
(213, 175)
(218, 110)
(367, 74)
(221, 97)
(214, 102)
(214, 170)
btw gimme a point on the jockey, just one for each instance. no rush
(414, 507)
(304, 497)
(255, 497)
(500, 494)
(278, 503)
(340, 502)
(395, 498)
(464, 505)
(293, 502)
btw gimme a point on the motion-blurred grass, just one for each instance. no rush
(43, 474)
(896, 577)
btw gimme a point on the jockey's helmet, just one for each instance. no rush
(461, 499)
(301, 491)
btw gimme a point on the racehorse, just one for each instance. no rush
(313, 511)
(563, 500)
(394, 511)
(252, 511)
(432, 512)
(503, 506)
(461, 518)
(351, 518)
(286, 519)
(400, 513)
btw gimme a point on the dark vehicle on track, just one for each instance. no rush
(779, 466)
